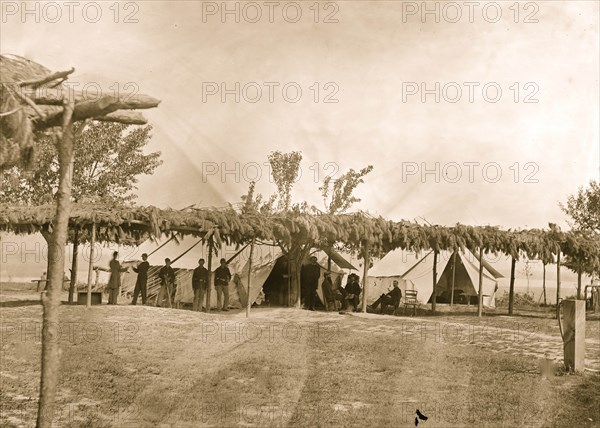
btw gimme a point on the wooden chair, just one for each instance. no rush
(410, 299)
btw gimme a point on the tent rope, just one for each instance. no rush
(185, 252)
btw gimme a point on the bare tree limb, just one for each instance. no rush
(58, 75)
(127, 117)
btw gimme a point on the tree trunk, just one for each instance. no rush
(74, 265)
(56, 255)
(433, 296)
(91, 267)
(511, 289)
(480, 300)
(248, 302)
(579, 282)
(367, 261)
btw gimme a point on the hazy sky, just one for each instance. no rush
(372, 61)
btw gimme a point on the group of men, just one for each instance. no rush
(349, 295)
(346, 296)
(310, 275)
(168, 285)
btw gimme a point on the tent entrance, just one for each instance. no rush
(464, 290)
(275, 287)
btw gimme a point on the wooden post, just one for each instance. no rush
(91, 267)
(511, 289)
(573, 333)
(210, 251)
(480, 300)
(557, 281)
(56, 259)
(74, 265)
(366, 260)
(249, 302)
(433, 296)
(579, 280)
(544, 282)
(453, 277)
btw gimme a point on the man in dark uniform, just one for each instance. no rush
(222, 278)
(142, 280)
(166, 274)
(309, 276)
(392, 298)
(200, 285)
(352, 292)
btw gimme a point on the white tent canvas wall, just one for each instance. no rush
(419, 277)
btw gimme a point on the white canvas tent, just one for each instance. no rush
(264, 260)
(419, 277)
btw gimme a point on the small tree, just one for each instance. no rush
(108, 158)
(584, 208)
(338, 197)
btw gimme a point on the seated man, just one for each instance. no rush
(328, 293)
(392, 299)
(352, 292)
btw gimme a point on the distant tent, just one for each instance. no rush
(420, 277)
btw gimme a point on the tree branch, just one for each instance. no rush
(54, 76)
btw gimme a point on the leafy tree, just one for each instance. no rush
(107, 161)
(337, 197)
(285, 168)
(584, 208)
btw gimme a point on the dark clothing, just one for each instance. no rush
(166, 274)
(141, 282)
(309, 279)
(392, 299)
(352, 294)
(222, 276)
(142, 270)
(200, 278)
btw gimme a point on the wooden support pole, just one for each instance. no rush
(557, 282)
(91, 267)
(56, 255)
(433, 297)
(480, 300)
(74, 265)
(511, 289)
(544, 283)
(248, 301)
(453, 278)
(367, 261)
(210, 251)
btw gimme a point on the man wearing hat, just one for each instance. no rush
(167, 279)
(142, 279)
(222, 278)
(310, 275)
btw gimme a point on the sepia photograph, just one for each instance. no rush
(309, 213)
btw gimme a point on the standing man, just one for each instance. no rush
(222, 278)
(114, 283)
(142, 279)
(310, 275)
(200, 285)
(166, 274)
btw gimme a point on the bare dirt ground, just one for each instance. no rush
(126, 366)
